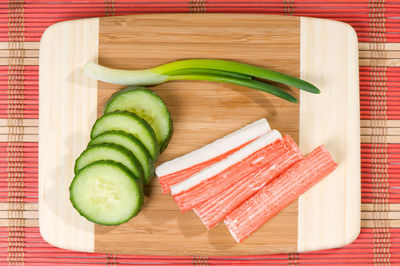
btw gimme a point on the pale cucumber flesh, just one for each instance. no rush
(106, 193)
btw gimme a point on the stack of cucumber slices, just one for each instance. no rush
(125, 142)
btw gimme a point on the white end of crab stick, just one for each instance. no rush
(229, 161)
(174, 171)
(215, 148)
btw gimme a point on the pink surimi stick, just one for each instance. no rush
(278, 194)
(181, 168)
(277, 158)
(225, 173)
(171, 179)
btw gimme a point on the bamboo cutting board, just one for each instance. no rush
(320, 51)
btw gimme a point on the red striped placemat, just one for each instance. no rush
(378, 27)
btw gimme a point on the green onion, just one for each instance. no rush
(207, 71)
(237, 67)
(254, 84)
(202, 69)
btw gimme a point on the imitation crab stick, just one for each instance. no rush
(223, 174)
(275, 196)
(277, 158)
(181, 168)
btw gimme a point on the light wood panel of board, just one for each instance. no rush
(329, 213)
(67, 108)
(201, 112)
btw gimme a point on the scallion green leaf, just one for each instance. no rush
(254, 84)
(237, 67)
(206, 71)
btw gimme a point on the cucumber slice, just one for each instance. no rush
(149, 106)
(113, 152)
(131, 143)
(129, 123)
(105, 192)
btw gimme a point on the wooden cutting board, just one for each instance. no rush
(320, 51)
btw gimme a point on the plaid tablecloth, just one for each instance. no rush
(378, 27)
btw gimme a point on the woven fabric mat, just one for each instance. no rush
(378, 27)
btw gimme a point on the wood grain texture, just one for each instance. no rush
(67, 109)
(201, 112)
(329, 213)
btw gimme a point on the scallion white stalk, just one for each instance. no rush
(123, 77)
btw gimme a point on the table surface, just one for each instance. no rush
(377, 27)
